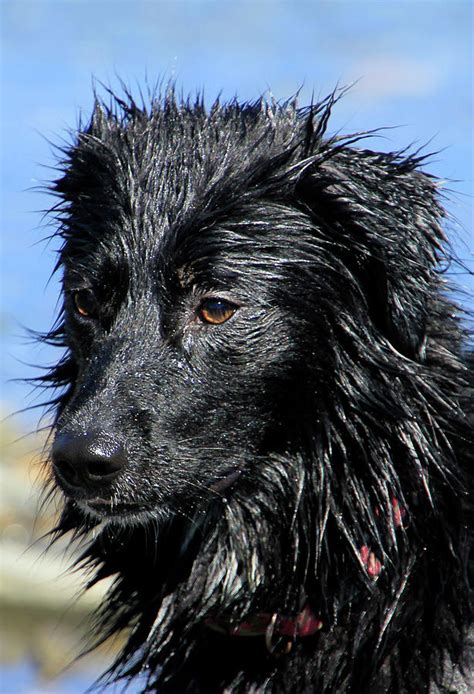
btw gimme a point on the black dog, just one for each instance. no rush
(264, 407)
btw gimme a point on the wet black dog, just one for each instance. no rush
(263, 415)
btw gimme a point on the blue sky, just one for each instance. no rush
(411, 61)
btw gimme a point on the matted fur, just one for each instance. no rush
(311, 451)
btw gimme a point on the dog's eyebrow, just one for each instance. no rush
(185, 275)
(73, 279)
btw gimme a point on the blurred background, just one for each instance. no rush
(411, 66)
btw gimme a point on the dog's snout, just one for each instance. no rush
(89, 460)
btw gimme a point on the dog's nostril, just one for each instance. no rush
(68, 471)
(103, 466)
(88, 460)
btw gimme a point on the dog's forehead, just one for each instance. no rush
(143, 183)
(180, 161)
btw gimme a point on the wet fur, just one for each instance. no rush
(338, 388)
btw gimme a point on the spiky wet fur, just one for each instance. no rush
(339, 386)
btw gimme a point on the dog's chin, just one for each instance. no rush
(110, 512)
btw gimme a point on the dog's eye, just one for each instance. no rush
(216, 311)
(85, 303)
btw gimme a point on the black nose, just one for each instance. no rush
(86, 461)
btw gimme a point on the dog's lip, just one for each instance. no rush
(225, 482)
(110, 506)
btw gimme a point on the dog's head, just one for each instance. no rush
(260, 355)
(232, 281)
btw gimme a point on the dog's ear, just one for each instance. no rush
(381, 216)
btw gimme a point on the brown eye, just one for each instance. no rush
(85, 303)
(216, 311)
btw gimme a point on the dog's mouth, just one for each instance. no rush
(223, 483)
(110, 507)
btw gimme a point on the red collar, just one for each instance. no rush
(266, 624)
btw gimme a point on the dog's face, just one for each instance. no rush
(185, 325)
(182, 357)
(222, 279)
